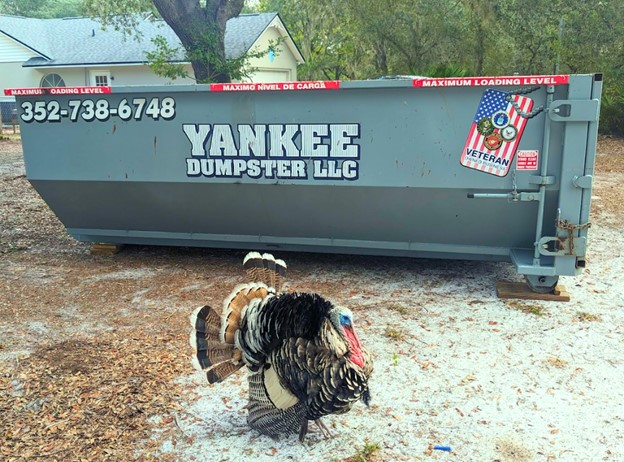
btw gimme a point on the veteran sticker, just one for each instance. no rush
(496, 131)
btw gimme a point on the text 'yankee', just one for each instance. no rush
(282, 151)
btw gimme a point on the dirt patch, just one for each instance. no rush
(90, 398)
(512, 451)
(610, 155)
(608, 193)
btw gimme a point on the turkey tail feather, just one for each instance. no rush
(218, 358)
(234, 306)
(221, 371)
(205, 320)
(213, 337)
(253, 266)
(265, 268)
(280, 274)
(268, 261)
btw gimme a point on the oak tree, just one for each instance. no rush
(199, 24)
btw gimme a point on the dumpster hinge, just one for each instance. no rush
(574, 110)
(542, 180)
(583, 182)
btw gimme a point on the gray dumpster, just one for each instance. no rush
(491, 168)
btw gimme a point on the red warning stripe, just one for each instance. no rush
(38, 91)
(513, 80)
(277, 86)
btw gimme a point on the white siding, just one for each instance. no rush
(73, 77)
(13, 75)
(271, 75)
(119, 75)
(142, 75)
(282, 68)
(12, 51)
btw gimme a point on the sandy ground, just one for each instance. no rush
(94, 353)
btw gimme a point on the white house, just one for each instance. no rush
(78, 51)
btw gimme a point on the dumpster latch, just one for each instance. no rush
(569, 245)
(511, 197)
(574, 110)
(542, 180)
(583, 182)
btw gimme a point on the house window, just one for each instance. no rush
(52, 80)
(100, 78)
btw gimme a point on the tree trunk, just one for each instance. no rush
(480, 50)
(202, 33)
(381, 58)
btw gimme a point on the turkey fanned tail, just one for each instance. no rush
(304, 358)
(266, 269)
(213, 337)
(217, 359)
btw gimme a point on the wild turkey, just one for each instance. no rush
(304, 358)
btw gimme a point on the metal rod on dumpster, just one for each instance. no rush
(550, 90)
(511, 197)
(489, 196)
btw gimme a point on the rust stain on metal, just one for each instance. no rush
(570, 228)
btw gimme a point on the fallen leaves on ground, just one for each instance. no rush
(91, 398)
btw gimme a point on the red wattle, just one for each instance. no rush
(355, 351)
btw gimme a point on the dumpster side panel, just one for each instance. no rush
(310, 212)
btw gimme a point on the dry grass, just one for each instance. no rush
(556, 362)
(394, 334)
(368, 453)
(402, 310)
(587, 317)
(525, 307)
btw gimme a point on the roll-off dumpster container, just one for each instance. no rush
(475, 168)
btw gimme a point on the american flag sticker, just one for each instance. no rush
(495, 132)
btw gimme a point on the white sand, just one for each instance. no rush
(471, 371)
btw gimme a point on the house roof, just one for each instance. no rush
(80, 41)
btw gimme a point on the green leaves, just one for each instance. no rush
(42, 8)
(200, 26)
(163, 60)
